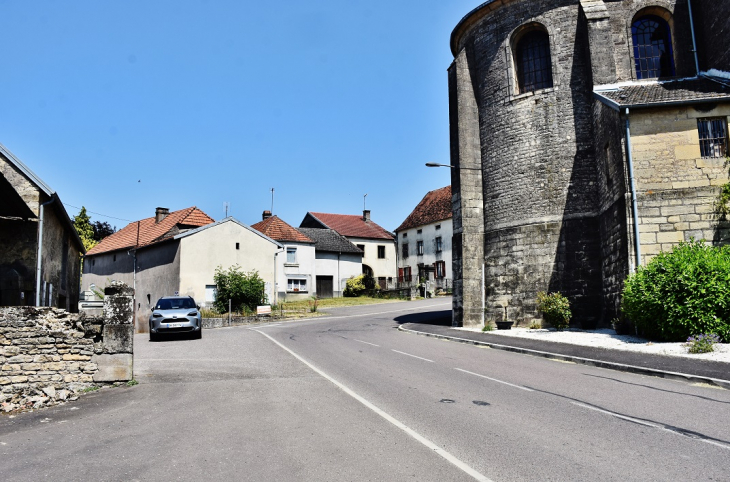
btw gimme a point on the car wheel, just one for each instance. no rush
(154, 336)
(199, 334)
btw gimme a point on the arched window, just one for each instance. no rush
(532, 61)
(652, 47)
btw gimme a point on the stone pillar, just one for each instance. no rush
(117, 360)
(603, 65)
(467, 198)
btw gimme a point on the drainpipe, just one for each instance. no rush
(632, 186)
(40, 252)
(694, 41)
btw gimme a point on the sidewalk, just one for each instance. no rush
(687, 369)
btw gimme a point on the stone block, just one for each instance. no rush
(72, 357)
(118, 338)
(113, 368)
(670, 237)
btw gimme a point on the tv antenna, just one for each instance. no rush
(226, 205)
(363, 201)
(272, 200)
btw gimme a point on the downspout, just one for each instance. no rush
(694, 41)
(632, 187)
(40, 252)
(339, 281)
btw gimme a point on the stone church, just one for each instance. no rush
(587, 136)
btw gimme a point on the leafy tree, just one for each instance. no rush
(355, 286)
(82, 224)
(102, 230)
(243, 289)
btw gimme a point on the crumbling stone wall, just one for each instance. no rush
(48, 355)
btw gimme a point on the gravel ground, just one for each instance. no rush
(607, 338)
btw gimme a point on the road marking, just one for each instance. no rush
(335, 317)
(414, 356)
(495, 380)
(420, 438)
(665, 428)
(367, 343)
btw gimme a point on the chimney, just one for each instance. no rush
(266, 215)
(160, 214)
(366, 215)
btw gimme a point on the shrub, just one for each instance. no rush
(488, 326)
(245, 290)
(555, 309)
(313, 302)
(702, 343)
(355, 286)
(535, 325)
(681, 293)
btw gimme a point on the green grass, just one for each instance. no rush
(335, 302)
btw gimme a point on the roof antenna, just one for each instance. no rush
(226, 204)
(363, 201)
(272, 200)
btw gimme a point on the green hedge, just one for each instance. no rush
(681, 293)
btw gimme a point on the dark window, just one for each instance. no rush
(362, 248)
(381, 252)
(114, 258)
(419, 248)
(713, 137)
(404, 250)
(238, 246)
(405, 235)
(419, 231)
(439, 244)
(652, 47)
(407, 273)
(438, 226)
(534, 67)
(440, 268)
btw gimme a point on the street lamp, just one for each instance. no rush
(436, 164)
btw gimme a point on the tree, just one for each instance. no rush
(82, 224)
(102, 230)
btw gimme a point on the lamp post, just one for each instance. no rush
(436, 164)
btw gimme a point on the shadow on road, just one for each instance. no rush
(442, 317)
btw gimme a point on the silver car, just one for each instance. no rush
(176, 314)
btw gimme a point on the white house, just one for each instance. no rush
(337, 260)
(377, 244)
(295, 266)
(424, 241)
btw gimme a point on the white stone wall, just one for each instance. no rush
(382, 267)
(428, 235)
(340, 266)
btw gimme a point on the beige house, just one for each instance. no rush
(177, 254)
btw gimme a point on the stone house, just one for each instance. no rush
(586, 137)
(336, 261)
(176, 253)
(377, 244)
(424, 242)
(295, 265)
(40, 251)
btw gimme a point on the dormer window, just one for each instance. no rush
(652, 41)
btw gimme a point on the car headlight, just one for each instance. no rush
(193, 313)
(157, 315)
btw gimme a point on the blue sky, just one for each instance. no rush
(126, 106)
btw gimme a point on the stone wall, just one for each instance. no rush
(49, 355)
(712, 25)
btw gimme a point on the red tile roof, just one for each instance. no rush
(352, 225)
(275, 228)
(151, 232)
(435, 206)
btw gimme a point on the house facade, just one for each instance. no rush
(424, 243)
(40, 251)
(587, 136)
(177, 253)
(295, 266)
(378, 245)
(336, 261)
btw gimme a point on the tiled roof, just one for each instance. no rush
(652, 94)
(435, 206)
(329, 241)
(351, 225)
(275, 228)
(151, 232)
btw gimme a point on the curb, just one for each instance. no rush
(583, 361)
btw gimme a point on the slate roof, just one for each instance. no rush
(654, 94)
(151, 232)
(328, 240)
(275, 228)
(350, 225)
(435, 206)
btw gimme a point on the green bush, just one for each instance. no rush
(702, 343)
(555, 309)
(681, 293)
(357, 285)
(245, 290)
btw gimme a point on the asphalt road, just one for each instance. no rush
(349, 397)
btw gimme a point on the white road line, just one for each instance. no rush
(652, 425)
(367, 343)
(335, 317)
(414, 356)
(430, 445)
(495, 380)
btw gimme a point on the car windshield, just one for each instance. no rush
(175, 304)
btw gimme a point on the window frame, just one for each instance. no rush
(706, 144)
(523, 34)
(419, 248)
(291, 255)
(664, 20)
(300, 282)
(404, 251)
(439, 244)
(381, 251)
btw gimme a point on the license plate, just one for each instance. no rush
(174, 325)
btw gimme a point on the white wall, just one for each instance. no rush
(202, 252)
(385, 267)
(428, 235)
(304, 269)
(340, 266)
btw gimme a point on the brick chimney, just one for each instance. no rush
(366, 215)
(160, 214)
(266, 215)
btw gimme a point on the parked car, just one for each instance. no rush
(176, 314)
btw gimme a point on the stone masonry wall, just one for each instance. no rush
(48, 355)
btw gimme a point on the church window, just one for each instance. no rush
(532, 61)
(652, 41)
